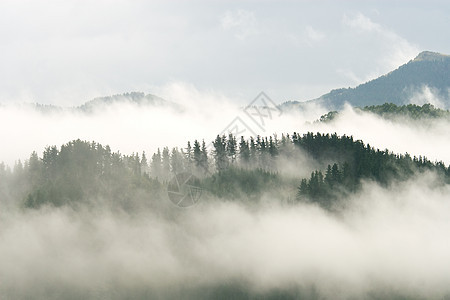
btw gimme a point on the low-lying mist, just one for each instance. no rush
(425, 137)
(387, 242)
(133, 128)
(383, 242)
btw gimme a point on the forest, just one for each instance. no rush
(231, 168)
(391, 111)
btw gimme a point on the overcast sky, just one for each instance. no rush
(68, 52)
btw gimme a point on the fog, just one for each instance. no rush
(427, 137)
(132, 128)
(202, 115)
(385, 243)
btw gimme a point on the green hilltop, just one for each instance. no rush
(391, 111)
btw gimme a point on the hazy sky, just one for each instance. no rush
(67, 52)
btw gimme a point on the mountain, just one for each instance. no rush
(97, 104)
(135, 98)
(428, 74)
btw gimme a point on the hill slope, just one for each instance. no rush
(391, 111)
(428, 72)
(135, 98)
(97, 104)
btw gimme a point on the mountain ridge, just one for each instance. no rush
(136, 98)
(133, 98)
(428, 73)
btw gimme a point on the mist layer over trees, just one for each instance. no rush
(288, 216)
(80, 170)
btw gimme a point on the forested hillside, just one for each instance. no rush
(136, 98)
(391, 111)
(81, 172)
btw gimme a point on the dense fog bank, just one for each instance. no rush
(386, 242)
(133, 128)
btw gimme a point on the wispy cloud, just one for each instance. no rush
(396, 49)
(313, 35)
(242, 23)
(427, 95)
(361, 23)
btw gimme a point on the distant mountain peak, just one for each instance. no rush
(431, 56)
(422, 80)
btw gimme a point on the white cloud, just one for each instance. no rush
(310, 36)
(242, 23)
(392, 49)
(351, 75)
(361, 23)
(426, 95)
(428, 138)
(313, 35)
(85, 49)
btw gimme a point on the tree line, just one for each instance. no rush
(230, 168)
(392, 111)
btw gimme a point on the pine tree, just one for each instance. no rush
(197, 157)
(189, 158)
(144, 163)
(253, 152)
(177, 160)
(244, 152)
(231, 148)
(165, 172)
(220, 153)
(34, 169)
(156, 165)
(204, 158)
(303, 189)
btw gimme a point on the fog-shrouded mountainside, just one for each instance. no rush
(394, 112)
(136, 98)
(100, 103)
(331, 228)
(174, 205)
(422, 80)
(234, 169)
(354, 208)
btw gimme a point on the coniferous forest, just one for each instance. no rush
(233, 168)
(209, 212)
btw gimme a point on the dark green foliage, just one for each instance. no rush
(391, 111)
(81, 170)
(165, 163)
(204, 163)
(220, 153)
(356, 161)
(231, 147)
(200, 157)
(330, 116)
(136, 98)
(177, 163)
(238, 183)
(244, 152)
